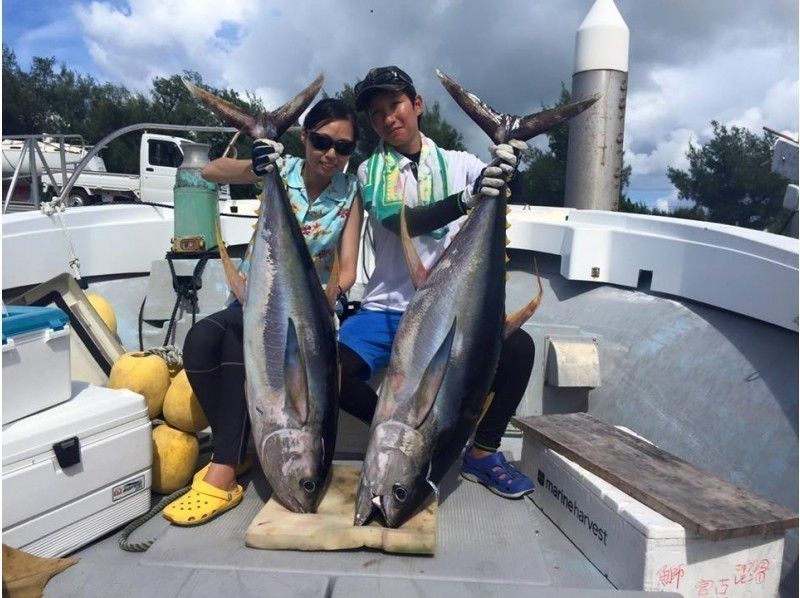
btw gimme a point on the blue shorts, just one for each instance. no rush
(371, 334)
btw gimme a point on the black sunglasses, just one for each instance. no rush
(323, 143)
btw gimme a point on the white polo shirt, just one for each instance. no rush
(390, 286)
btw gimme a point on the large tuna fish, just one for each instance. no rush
(290, 349)
(448, 343)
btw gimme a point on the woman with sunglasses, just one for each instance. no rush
(328, 208)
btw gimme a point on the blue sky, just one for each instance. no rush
(691, 61)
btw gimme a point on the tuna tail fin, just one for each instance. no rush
(235, 279)
(518, 318)
(417, 271)
(332, 288)
(432, 380)
(501, 127)
(295, 377)
(272, 124)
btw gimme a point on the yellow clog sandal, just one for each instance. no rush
(201, 504)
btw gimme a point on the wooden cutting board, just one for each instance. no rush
(331, 527)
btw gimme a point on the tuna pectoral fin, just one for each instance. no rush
(332, 288)
(487, 403)
(235, 279)
(416, 270)
(295, 378)
(432, 380)
(518, 318)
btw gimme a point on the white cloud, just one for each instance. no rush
(747, 87)
(662, 205)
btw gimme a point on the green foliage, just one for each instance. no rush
(544, 172)
(729, 179)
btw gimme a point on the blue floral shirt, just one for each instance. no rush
(322, 221)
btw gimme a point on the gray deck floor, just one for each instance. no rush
(487, 546)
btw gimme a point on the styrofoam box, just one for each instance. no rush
(36, 368)
(637, 548)
(50, 510)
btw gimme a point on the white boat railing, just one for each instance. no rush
(31, 146)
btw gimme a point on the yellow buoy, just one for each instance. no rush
(104, 310)
(181, 407)
(147, 375)
(175, 456)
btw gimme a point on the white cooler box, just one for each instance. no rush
(76, 471)
(36, 366)
(637, 548)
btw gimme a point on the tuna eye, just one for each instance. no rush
(308, 485)
(399, 493)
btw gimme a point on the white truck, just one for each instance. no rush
(159, 158)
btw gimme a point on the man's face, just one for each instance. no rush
(394, 116)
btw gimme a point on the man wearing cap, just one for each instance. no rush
(438, 187)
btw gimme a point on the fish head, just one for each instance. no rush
(394, 480)
(294, 463)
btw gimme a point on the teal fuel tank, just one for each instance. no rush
(196, 202)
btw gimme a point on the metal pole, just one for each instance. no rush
(34, 175)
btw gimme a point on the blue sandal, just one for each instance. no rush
(497, 474)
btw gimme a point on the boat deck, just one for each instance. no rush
(487, 546)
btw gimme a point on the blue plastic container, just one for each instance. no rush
(19, 320)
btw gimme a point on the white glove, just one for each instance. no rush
(506, 156)
(489, 184)
(497, 174)
(265, 153)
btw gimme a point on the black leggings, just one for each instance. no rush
(213, 357)
(510, 382)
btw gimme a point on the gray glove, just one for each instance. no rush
(265, 153)
(497, 174)
(506, 156)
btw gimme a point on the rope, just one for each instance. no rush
(169, 353)
(136, 523)
(57, 208)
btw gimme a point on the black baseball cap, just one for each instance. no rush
(390, 78)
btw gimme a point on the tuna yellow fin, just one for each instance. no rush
(417, 271)
(295, 378)
(432, 380)
(235, 279)
(486, 405)
(518, 318)
(332, 288)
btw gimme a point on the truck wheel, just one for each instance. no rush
(77, 198)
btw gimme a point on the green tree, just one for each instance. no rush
(544, 172)
(728, 179)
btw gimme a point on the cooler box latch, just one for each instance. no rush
(68, 452)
